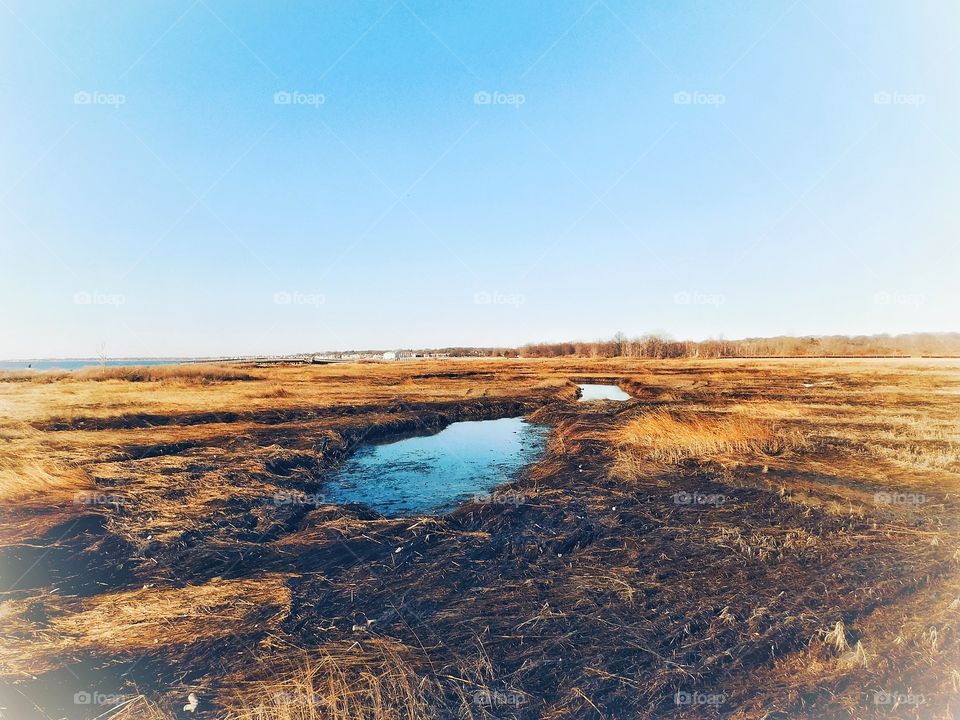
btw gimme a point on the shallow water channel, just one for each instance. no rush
(601, 392)
(435, 473)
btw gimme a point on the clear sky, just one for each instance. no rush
(204, 177)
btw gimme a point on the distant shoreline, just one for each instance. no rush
(81, 363)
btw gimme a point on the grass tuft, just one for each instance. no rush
(837, 638)
(662, 436)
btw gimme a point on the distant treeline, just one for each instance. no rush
(654, 346)
(658, 346)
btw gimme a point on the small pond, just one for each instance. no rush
(602, 392)
(437, 472)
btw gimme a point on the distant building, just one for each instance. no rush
(390, 355)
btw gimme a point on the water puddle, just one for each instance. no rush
(602, 392)
(435, 473)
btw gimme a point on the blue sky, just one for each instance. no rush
(202, 177)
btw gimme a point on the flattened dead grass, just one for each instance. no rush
(25, 474)
(131, 623)
(22, 479)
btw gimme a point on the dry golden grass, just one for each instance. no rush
(661, 436)
(166, 620)
(29, 476)
(70, 398)
(46, 481)
(146, 617)
(634, 593)
(133, 373)
(338, 681)
(277, 391)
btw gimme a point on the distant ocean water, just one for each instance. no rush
(55, 364)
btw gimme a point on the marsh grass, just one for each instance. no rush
(337, 681)
(132, 373)
(43, 481)
(665, 437)
(178, 622)
(636, 595)
(276, 391)
(27, 474)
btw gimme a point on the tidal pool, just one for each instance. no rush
(602, 392)
(437, 472)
